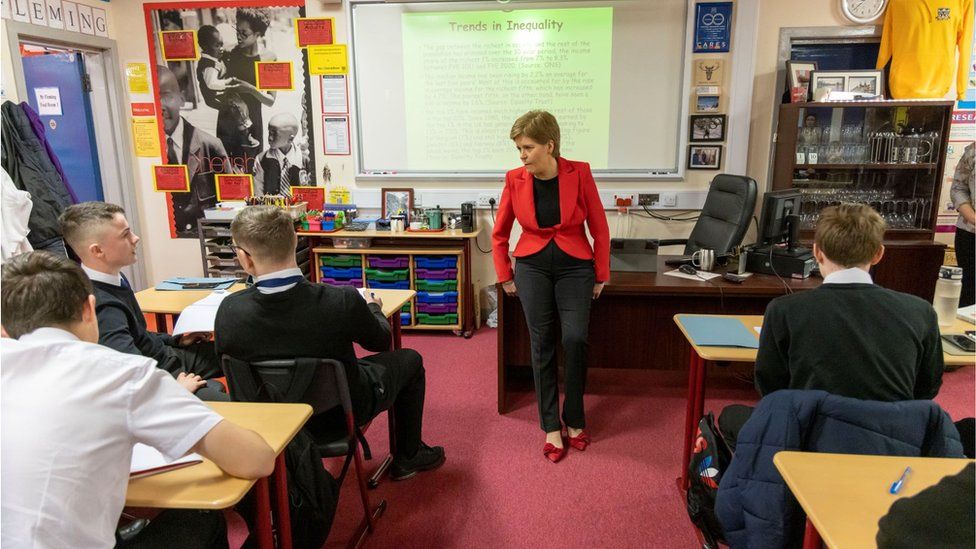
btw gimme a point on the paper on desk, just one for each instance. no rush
(147, 460)
(199, 317)
(758, 329)
(700, 277)
(716, 331)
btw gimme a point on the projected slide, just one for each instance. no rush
(468, 75)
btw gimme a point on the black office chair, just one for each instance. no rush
(288, 380)
(724, 218)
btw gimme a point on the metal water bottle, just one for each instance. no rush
(947, 291)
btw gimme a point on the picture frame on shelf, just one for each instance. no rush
(798, 78)
(707, 127)
(704, 157)
(396, 201)
(867, 83)
(707, 103)
(708, 71)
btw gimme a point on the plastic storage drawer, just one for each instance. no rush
(342, 260)
(437, 308)
(342, 272)
(425, 318)
(389, 262)
(354, 282)
(399, 285)
(387, 276)
(436, 285)
(436, 262)
(436, 274)
(437, 297)
(405, 319)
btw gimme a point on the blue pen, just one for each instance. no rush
(896, 486)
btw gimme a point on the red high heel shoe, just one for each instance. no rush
(553, 453)
(580, 441)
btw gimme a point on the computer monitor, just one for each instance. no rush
(780, 213)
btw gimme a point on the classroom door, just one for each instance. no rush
(57, 89)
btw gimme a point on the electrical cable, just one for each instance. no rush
(721, 292)
(772, 267)
(491, 204)
(666, 218)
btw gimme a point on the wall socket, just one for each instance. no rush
(651, 199)
(669, 200)
(484, 200)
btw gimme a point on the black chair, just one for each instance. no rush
(724, 219)
(288, 380)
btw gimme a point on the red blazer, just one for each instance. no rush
(579, 201)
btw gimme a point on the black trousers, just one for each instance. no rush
(553, 282)
(401, 383)
(966, 258)
(201, 359)
(185, 528)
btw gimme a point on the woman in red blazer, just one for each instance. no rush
(556, 269)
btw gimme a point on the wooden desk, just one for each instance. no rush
(631, 324)
(844, 496)
(205, 486)
(696, 372)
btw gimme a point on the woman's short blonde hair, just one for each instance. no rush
(539, 126)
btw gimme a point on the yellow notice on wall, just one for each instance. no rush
(329, 59)
(137, 75)
(145, 135)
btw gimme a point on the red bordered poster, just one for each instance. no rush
(143, 109)
(234, 186)
(171, 178)
(315, 196)
(274, 75)
(179, 45)
(313, 31)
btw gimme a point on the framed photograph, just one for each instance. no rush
(708, 72)
(704, 157)
(864, 82)
(798, 78)
(707, 127)
(396, 201)
(706, 103)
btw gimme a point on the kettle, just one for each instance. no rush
(435, 218)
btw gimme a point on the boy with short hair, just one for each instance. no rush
(848, 337)
(101, 237)
(281, 166)
(72, 411)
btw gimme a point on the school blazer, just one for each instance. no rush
(579, 202)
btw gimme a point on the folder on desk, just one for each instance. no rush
(716, 331)
(147, 461)
(185, 283)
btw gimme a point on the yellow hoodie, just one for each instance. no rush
(920, 38)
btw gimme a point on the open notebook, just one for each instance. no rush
(147, 460)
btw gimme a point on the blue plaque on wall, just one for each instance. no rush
(713, 26)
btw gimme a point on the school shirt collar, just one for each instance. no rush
(48, 334)
(210, 57)
(98, 276)
(853, 275)
(284, 273)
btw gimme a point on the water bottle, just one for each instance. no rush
(947, 291)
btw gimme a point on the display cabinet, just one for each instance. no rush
(888, 154)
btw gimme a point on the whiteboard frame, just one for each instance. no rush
(617, 175)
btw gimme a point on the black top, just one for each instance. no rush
(546, 193)
(939, 516)
(209, 95)
(307, 321)
(855, 340)
(122, 327)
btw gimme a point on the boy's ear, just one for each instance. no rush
(878, 255)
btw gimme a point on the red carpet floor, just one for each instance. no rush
(497, 490)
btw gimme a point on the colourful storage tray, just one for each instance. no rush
(436, 285)
(342, 260)
(436, 274)
(387, 276)
(437, 297)
(399, 285)
(379, 262)
(437, 308)
(354, 282)
(436, 262)
(342, 272)
(425, 318)
(404, 319)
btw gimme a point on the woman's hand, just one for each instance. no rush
(509, 288)
(598, 288)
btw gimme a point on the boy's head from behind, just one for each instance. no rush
(210, 41)
(40, 289)
(100, 235)
(265, 239)
(849, 235)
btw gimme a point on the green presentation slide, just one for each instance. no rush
(468, 76)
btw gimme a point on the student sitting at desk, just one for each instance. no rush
(848, 337)
(72, 411)
(101, 237)
(285, 316)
